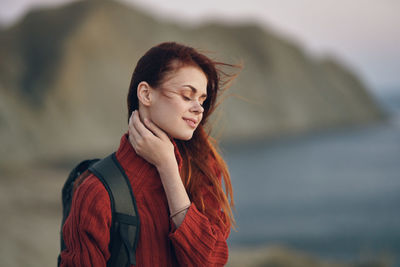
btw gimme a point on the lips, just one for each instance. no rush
(191, 122)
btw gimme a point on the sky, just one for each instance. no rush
(364, 35)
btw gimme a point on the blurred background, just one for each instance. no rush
(310, 129)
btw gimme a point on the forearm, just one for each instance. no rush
(178, 199)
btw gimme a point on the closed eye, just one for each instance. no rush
(186, 98)
(201, 101)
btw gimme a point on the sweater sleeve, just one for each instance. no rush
(86, 231)
(200, 241)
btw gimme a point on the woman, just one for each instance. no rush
(174, 169)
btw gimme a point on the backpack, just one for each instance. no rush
(124, 230)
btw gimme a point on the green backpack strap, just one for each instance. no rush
(125, 219)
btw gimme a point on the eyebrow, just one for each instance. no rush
(194, 90)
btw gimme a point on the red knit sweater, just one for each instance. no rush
(198, 241)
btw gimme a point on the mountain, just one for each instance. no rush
(65, 72)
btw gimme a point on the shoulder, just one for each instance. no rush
(91, 195)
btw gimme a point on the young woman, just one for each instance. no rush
(174, 169)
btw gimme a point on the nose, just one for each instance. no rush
(197, 107)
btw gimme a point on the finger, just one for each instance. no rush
(134, 136)
(132, 122)
(132, 141)
(155, 129)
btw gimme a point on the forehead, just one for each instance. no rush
(187, 75)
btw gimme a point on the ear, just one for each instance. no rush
(144, 93)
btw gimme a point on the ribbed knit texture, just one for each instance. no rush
(197, 242)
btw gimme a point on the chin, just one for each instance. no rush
(183, 137)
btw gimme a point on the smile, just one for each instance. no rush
(192, 123)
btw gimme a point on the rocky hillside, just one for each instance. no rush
(64, 76)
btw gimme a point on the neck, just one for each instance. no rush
(144, 114)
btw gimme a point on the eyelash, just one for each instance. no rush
(189, 99)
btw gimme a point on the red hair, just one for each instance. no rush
(202, 164)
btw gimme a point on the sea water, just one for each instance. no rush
(333, 194)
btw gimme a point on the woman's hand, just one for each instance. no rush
(154, 145)
(150, 142)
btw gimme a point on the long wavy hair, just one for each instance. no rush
(203, 166)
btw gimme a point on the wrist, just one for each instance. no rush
(168, 167)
